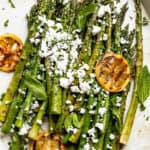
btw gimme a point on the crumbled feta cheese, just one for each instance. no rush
(102, 111)
(118, 104)
(91, 132)
(68, 102)
(93, 105)
(32, 40)
(92, 75)
(114, 21)
(75, 89)
(65, 83)
(92, 112)
(73, 53)
(11, 130)
(86, 146)
(50, 23)
(85, 87)
(105, 37)
(123, 41)
(65, 2)
(95, 30)
(104, 9)
(35, 105)
(100, 126)
(81, 73)
(112, 136)
(75, 130)
(109, 146)
(39, 122)
(118, 7)
(72, 129)
(24, 129)
(71, 108)
(84, 135)
(95, 140)
(82, 110)
(59, 26)
(96, 89)
(85, 66)
(118, 99)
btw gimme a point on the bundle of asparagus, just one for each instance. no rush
(56, 79)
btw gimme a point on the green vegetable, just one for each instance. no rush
(75, 120)
(145, 21)
(143, 89)
(68, 122)
(84, 13)
(37, 88)
(11, 3)
(15, 143)
(13, 86)
(139, 65)
(33, 133)
(72, 121)
(6, 23)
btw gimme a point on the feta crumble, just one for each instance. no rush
(100, 126)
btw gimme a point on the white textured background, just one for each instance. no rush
(140, 136)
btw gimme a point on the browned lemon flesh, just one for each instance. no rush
(45, 141)
(113, 72)
(10, 51)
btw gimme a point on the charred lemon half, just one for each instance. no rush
(113, 72)
(46, 141)
(10, 51)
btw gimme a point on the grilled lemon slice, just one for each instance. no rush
(113, 72)
(46, 141)
(10, 51)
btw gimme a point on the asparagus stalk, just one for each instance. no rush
(109, 33)
(117, 31)
(49, 87)
(86, 126)
(86, 48)
(107, 101)
(28, 100)
(139, 63)
(13, 86)
(16, 143)
(50, 9)
(117, 46)
(116, 130)
(36, 125)
(92, 61)
(13, 110)
(56, 93)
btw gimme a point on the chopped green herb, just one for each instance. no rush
(6, 23)
(11, 3)
(143, 91)
(147, 118)
(145, 21)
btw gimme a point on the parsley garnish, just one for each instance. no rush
(143, 89)
(6, 23)
(11, 3)
(145, 21)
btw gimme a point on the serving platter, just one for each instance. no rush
(140, 135)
